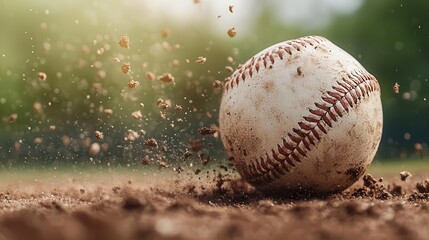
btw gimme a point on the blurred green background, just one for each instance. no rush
(75, 43)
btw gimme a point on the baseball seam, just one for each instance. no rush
(265, 58)
(334, 104)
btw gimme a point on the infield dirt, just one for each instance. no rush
(129, 206)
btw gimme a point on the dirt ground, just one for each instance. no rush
(125, 206)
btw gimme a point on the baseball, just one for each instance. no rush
(301, 115)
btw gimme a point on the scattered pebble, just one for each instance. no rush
(175, 63)
(100, 51)
(142, 133)
(231, 32)
(178, 169)
(132, 83)
(165, 33)
(151, 143)
(164, 148)
(125, 68)
(423, 186)
(396, 88)
(99, 135)
(162, 115)
(404, 175)
(94, 149)
(178, 107)
(137, 115)
(396, 190)
(38, 140)
(108, 111)
(187, 154)
(37, 107)
(384, 195)
(146, 160)
(406, 95)
(201, 60)
(418, 147)
(42, 76)
(369, 181)
(231, 8)
(163, 104)
(217, 84)
(195, 144)
(131, 135)
(207, 131)
(166, 78)
(150, 76)
(204, 159)
(161, 163)
(12, 118)
(124, 42)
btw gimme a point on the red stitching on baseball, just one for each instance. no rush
(297, 143)
(268, 58)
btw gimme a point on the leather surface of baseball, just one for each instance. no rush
(301, 115)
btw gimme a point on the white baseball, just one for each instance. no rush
(301, 115)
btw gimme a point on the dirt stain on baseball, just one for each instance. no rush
(299, 71)
(269, 86)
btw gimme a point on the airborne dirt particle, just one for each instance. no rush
(150, 76)
(423, 186)
(99, 135)
(94, 149)
(132, 83)
(231, 8)
(137, 115)
(165, 33)
(195, 144)
(396, 88)
(100, 51)
(404, 175)
(204, 158)
(163, 104)
(231, 32)
(38, 140)
(12, 117)
(42, 76)
(124, 42)
(217, 84)
(166, 78)
(229, 69)
(151, 143)
(207, 131)
(108, 111)
(146, 160)
(201, 60)
(369, 181)
(125, 68)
